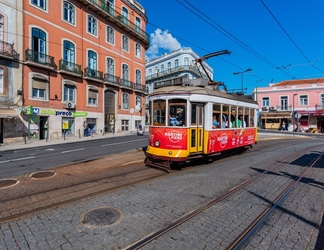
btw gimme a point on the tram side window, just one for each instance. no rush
(216, 116)
(159, 112)
(225, 117)
(177, 112)
(251, 118)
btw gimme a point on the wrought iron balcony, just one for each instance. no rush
(70, 68)
(126, 84)
(93, 74)
(140, 88)
(39, 59)
(174, 72)
(7, 50)
(111, 80)
(101, 6)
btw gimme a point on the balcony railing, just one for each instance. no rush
(94, 74)
(140, 87)
(126, 83)
(101, 4)
(7, 49)
(176, 70)
(111, 79)
(39, 58)
(70, 67)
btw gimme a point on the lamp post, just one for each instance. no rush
(241, 73)
(293, 112)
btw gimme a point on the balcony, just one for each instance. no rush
(175, 72)
(69, 68)
(111, 15)
(126, 84)
(111, 80)
(38, 59)
(140, 88)
(7, 51)
(93, 75)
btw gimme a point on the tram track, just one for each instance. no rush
(246, 233)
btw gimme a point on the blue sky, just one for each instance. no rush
(278, 39)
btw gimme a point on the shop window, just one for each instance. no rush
(125, 125)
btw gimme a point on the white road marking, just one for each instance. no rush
(73, 150)
(19, 159)
(116, 143)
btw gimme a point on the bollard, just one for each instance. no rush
(24, 135)
(64, 134)
(79, 134)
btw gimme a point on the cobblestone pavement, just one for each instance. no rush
(149, 206)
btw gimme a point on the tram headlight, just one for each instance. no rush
(157, 143)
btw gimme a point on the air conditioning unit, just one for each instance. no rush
(265, 108)
(70, 105)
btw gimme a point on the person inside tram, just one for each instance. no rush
(215, 122)
(173, 121)
(181, 119)
(239, 122)
(224, 121)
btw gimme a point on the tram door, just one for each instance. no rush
(196, 128)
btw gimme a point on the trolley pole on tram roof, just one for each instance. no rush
(242, 73)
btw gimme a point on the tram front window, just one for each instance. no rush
(159, 112)
(177, 112)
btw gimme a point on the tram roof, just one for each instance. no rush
(207, 90)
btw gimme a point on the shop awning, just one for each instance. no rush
(7, 113)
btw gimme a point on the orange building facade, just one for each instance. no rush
(84, 61)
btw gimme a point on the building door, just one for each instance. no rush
(43, 127)
(110, 118)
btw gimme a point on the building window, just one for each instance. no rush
(2, 81)
(186, 61)
(138, 103)
(93, 96)
(69, 93)
(92, 60)
(39, 43)
(125, 72)
(68, 12)
(150, 71)
(39, 87)
(138, 24)
(125, 43)
(110, 3)
(92, 25)
(138, 52)
(110, 35)
(322, 101)
(125, 14)
(124, 125)
(265, 102)
(284, 103)
(303, 100)
(138, 76)
(1, 30)
(169, 67)
(162, 68)
(125, 101)
(176, 64)
(68, 51)
(40, 3)
(110, 66)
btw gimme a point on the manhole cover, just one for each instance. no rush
(101, 217)
(8, 183)
(39, 175)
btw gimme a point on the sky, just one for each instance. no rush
(277, 39)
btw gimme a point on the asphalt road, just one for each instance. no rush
(29, 160)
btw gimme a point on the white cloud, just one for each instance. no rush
(161, 42)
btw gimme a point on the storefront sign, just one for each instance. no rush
(65, 124)
(36, 111)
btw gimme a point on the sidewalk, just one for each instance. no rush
(68, 139)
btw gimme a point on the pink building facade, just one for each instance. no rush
(291, 105)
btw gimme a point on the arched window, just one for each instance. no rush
(110, 66)
(68, 12)
(68, 52)
(138, 76)
(125, 101)
(92, 25)
(92, 59)
(125, 43)
(138, 24)
(186, 61)
(138, 50)
(125, 72)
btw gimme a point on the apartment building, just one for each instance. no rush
(70, 61)
(11, 52)
(298, 103)
(177, 65)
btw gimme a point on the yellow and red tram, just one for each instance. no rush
(193, 122)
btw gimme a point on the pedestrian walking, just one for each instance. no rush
(85, 129)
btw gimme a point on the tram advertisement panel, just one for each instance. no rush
(219, 140)
(169, 138)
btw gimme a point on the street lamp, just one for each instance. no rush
(293, 112)
(241, 73)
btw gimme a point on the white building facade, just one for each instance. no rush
(178, 63)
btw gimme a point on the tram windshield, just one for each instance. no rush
(159, 107)
(177, 112)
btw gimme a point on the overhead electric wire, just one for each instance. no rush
(233, 38)
(289, 36)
